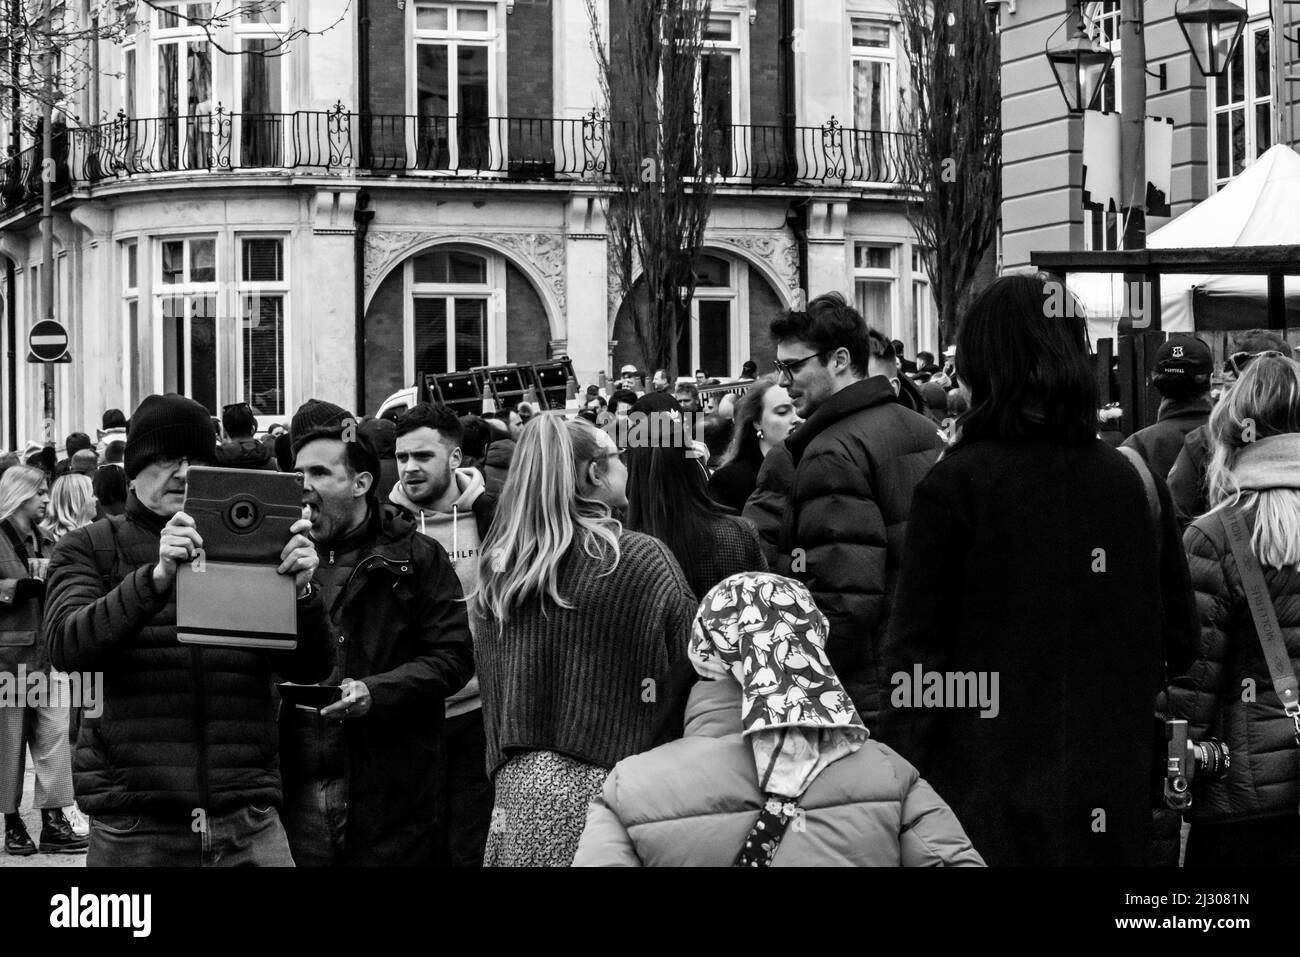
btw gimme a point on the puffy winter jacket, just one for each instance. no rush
(857, 461)
(767, 504)
(496, 465)
(183, 726)
(694, 801)
(1263, 778)
(1187, 476)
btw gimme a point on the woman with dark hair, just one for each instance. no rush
(1042, 563)
(764, 417)
(668, 497)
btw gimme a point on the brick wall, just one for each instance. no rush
(530, 42)
(387, 92)
(764, 63)
(528, 335)
(764, 306)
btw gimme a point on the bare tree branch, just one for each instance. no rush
(956, 149)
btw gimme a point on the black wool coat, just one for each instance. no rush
(1037, 562)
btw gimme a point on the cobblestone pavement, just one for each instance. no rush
(32, 818)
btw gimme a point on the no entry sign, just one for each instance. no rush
(48, 342)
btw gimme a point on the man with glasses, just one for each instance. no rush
(1187, 485)
(858, 457)
(181, 765)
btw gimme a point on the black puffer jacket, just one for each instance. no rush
(182, 727)
(857, 461)
(767, 504)
(1263, 778)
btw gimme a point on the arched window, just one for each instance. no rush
(452, 305)
(718, 332)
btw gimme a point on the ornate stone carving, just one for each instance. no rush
(777, 249)
(383, 249)
(544, 252)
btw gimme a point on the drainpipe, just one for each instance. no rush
(362, 217)
(363, 81)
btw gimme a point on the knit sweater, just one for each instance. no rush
(731, 547)
(587, 681)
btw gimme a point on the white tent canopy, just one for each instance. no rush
(1260, 207)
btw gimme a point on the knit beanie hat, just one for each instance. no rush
(317, 419)
(165, 426)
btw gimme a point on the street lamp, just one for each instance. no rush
(1080, 67)
(1213, 29)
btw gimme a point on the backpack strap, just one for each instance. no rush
(1264, 614)
(103, 539)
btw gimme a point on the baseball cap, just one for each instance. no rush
(1184, 356)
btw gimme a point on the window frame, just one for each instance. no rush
(870, 274)
(188, 290)
(890, 57)
(736, 293)
(492, 290)
(1249, 105)
(244, 289)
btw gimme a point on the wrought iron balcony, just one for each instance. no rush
(520, 149)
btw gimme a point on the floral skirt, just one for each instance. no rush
(540, 810)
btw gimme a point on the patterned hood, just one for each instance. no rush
(765, 632)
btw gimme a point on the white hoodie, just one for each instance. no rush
(457, 532)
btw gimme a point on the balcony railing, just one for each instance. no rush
(503, 148)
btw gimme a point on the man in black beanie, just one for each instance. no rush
(180, 767)
(361, 775)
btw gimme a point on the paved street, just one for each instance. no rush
(32, 818)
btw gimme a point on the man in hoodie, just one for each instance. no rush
(243, 451)
(450, 504)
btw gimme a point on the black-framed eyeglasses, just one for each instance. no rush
(1238, 361)
(784, 368)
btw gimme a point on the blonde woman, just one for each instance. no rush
(72, 505)
(579, 623)
(1247, 816)
(40, 726)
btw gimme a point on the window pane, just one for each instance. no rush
(432, 96)
(873, 257)
(133, 353)
(870, 86)
(711, 271)
(167, 18)
(430, 335)
(870, 34)
(472, 108)
(1263, 128)
(129, 81)
(471, 333)
(173, 321)
(203, 260)
(874, 304)
(263, 260)
(715, 336)
(466, 267)
(168, 92)
(261, 78)
(199, 63)
(715, 87)
(1238, 141)
(431, 267)
(263, 372)
(264, 11)
(1263, 73)
(472, 21)
(173, 262)
(1222, 153)
(203, 352)
(430, 18)
(718, 29)
(132, 266)
(1237, 74)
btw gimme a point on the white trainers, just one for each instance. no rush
(80, 823)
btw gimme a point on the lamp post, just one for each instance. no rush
(1080, 67)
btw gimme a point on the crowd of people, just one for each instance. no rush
(554, 644)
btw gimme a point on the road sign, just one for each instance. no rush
(48, 342)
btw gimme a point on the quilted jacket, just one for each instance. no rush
(693, 802)
(1263, 778)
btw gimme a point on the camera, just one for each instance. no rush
(1185, 759)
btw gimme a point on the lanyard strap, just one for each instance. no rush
(1261, 609)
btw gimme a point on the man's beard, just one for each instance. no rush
(432, 490)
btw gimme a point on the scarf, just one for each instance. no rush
(1268, 463)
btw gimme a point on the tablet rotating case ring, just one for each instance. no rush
(231, 595)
